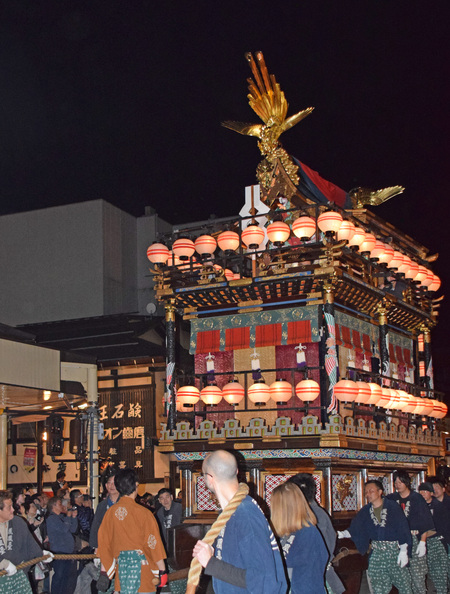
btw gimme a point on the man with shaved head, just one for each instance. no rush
(245, 556)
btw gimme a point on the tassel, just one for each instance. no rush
(210, 368)
(256, 366)
(300, 356)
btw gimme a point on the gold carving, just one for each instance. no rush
(362, 196)
(268, 101)
(243, 446)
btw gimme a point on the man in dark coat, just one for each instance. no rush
(170, 513)
(16, 546)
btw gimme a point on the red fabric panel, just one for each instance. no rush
(299, 332)
(346, 338)
(208, 342)
(392, 357)
(367, 346)
(356, 339)
(407, 357)
(237, 338)
(328, 189)
(268, 335)
(338, 335)
(399, 355)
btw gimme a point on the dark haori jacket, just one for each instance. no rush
(394, 526)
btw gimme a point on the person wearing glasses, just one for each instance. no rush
(245, 556)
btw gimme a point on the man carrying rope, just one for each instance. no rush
(245, 557)
(16, 546)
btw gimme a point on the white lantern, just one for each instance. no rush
(188, 396)
(280, 391)
(211, 395)
(307, 390)
(233, 392)
(259, 393)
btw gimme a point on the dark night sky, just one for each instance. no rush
(123, 101)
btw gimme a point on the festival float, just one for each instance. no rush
(310, 324)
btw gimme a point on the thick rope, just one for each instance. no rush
(213, 533)
(44, 557)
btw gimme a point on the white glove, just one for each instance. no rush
(344, 534)
(50, 556)
(10, 568)
(97, 562)
(421, 549)
(402, 558)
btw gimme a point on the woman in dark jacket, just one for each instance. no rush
(305, 552)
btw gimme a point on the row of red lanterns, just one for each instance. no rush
(259, 393)
(304, 227)
(388, 398)
(281, 391)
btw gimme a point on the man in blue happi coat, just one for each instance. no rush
(421, 526)
(245, 556)
(381, 527)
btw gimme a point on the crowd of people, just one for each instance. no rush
(406, 534)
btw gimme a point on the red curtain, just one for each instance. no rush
(392, 357)
(399, 355)
(367, 345)
(346, 337)
(268, 335)
(237, 338)
(299, 332)
(356, 339)
(208, 342)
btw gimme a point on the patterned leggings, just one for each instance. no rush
(418, 569)
(11, 584)
(437, 564)
(383, 572)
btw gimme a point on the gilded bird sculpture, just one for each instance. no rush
(361, 197)
(268, 101)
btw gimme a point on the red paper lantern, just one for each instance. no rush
(228, 241)
(387, 255)
(158, 253)
(346, 390)
(278, 232)
(364, 393)
(205, 245)
(368, 244)
(375, 391)
(233, 392)
(329, 221)
(396, 261)
(280, 391)
(253, 236)
(377, 250)
(259, 393)
(307, 390)
(211, 395)
(346, 231)
(358, 237)
(183, 248)
(411, 273)
(304, 228)
(435, 285)
(188, 396)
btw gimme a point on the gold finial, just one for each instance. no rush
(268, 101)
